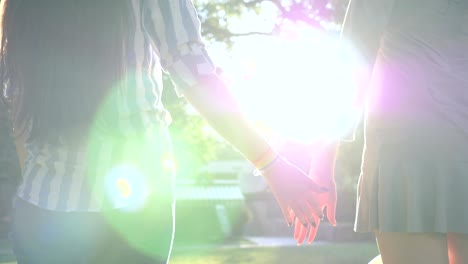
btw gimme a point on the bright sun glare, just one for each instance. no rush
(300, 84)
(125, 186)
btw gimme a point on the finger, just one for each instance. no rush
(297, 229)
(286, 213)
(302, 234)
(313, 208)
(292, 216)
(301, 217)
(313, 232)
(331, 209)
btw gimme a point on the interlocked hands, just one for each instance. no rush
(294, 191)
(319, 161)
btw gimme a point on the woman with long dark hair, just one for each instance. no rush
(82, 80)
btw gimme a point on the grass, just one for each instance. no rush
(357, 253)
(348, 253)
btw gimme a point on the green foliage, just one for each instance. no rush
(195, 143)
(216, 15)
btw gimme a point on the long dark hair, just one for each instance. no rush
(59, 61)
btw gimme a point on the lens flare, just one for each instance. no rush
(126, 187)
(169, 163)
(303, 84)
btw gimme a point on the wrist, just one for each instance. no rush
(261, 171)
(265, 159)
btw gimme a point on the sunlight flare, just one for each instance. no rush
(301, 84)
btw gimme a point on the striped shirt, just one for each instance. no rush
(166, 36)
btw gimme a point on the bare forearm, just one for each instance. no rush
(217, 105)
(327, 162)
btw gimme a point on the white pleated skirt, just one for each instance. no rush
(417, 184)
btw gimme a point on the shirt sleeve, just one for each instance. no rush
(174, 29)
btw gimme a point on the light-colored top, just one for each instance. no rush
(418, 51)
(165, 34)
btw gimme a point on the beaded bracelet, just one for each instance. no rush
(260, 171)
(265, 161)
(266, 158)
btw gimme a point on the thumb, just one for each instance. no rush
(331, 212)
(287, 214)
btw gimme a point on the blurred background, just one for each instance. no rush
(281, 60)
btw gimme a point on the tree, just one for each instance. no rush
(194, 143)
(216, 15)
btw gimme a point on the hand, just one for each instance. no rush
(324, 200)
(321, 170)
(294, 191)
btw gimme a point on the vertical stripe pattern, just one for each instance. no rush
(164, 35)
